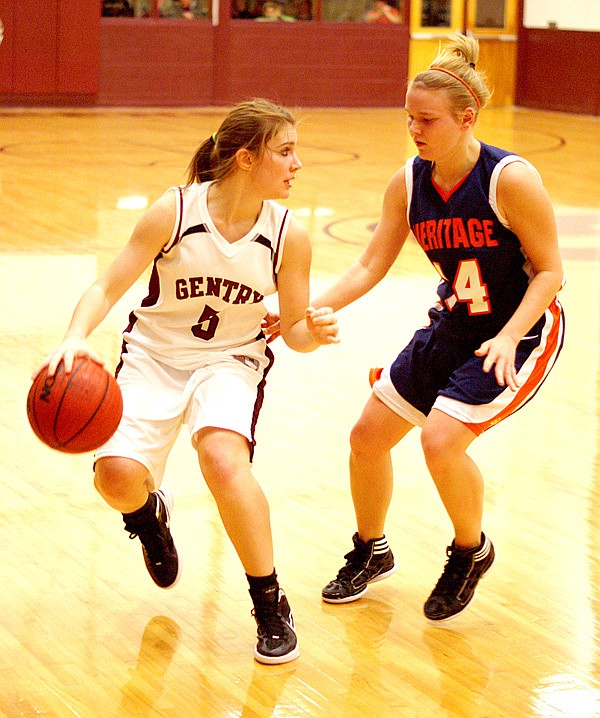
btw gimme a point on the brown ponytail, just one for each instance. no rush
(249, 125)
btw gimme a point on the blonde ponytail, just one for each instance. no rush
(454, 70)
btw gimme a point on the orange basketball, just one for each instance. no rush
(75, 412)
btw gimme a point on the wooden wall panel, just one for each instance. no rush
(499, 60)
(496, 56)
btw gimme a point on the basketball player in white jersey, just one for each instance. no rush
(194, 352)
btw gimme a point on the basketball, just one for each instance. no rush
(75, 412)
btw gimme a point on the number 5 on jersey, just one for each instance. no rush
(207, 324)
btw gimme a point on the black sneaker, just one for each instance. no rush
(368, 562)
(277, 641)
(160, 554)
(456, 586)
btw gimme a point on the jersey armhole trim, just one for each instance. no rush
(493, 196)
(278, 253)
(176, 234)
(408, 181)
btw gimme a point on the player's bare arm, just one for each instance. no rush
(381, 252)
(302, 327)
(150, 234)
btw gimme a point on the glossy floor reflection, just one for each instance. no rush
(85, 633)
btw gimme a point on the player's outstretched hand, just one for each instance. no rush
(323, 325)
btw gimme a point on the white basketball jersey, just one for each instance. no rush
(206, 293)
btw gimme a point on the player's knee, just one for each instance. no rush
(114, 479)
(221, 457)
(435, 444)
(217, 466)
(362, 440)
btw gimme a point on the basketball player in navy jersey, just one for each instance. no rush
(194, 351)
(486, 224)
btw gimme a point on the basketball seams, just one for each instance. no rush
(72, 375)
(32, 405)
(75, 412)
(99, 406)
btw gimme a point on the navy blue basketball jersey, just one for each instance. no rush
(484, 276)
(484, 271)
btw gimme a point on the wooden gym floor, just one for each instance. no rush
(83, 630)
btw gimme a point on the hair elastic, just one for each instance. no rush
(456, 77)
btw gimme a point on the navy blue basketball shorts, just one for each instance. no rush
(440, 370)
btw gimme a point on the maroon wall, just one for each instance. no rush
(7, 47)
(50, 50)
(62, 52)
(156, 62)
(559, 70)
(78, 51)
(316, 63)
(180, 62)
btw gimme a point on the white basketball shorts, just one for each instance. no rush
(225, 392)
